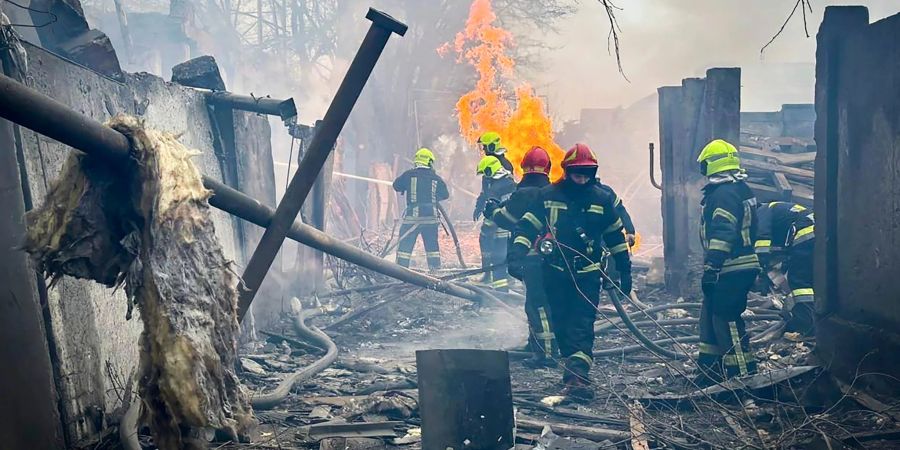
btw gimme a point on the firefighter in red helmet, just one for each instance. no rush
(536, 175)
(571, 224)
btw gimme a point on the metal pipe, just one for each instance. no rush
(317, 153)
(42, 114)
(653, 181)
(286, 109)
(238, 204)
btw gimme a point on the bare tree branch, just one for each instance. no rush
(803, 5)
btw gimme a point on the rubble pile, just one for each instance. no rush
(368, 398)
(780, 168)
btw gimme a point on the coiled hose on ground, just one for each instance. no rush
(271, 399)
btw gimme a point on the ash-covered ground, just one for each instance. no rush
(637, 393)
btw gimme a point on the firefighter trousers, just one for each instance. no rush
(799, 273)
(541, 340)
(409, 234)
(724, 343)
(493, 243)
(573, 300)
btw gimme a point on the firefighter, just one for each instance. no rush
(496, 184)
(730, 267)
(490, 145)
(786, 231)
(423, 189)
(569, 224)
(541, 340)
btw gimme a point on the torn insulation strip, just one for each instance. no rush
(148, 226)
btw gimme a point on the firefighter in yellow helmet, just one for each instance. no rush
(491, 146)
(497, 185)
(730, 267)
(423, 188)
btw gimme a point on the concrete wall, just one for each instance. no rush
(857, 198)
(95, 348)
(700, 110)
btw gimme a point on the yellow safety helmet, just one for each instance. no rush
(490, 166)
(424, 158)
(718, 156)
(490, 143)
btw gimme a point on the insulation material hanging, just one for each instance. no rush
(147, 226)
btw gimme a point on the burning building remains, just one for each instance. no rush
(187, 266)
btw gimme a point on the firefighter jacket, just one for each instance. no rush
(498, 189)
(504, 161)
(782, 224)
(509, 213)
(627, 223)
(423, 188)
(728, 227)
(579, 221)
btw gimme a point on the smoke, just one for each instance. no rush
(664, 42)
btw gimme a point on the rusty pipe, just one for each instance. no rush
(42, 114)
(320, 147)
(285, 109)
(652, 174)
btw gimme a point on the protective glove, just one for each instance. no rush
(490, 206)
(630, 239)
(476, 214)
(710, 278)
(625, 282)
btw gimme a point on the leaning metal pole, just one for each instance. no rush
(42, 114)
(326, 135)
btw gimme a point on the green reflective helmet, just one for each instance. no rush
(718, 156)
(424, 158)
(490, 166)
(490, 143)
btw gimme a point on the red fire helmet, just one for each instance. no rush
(579, 156)
(536, 160)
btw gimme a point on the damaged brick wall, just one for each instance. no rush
(89, 331)
(857, 198)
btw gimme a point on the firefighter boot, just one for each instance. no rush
(710, 371)
(576, 383)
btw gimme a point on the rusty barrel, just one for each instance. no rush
(465, 399)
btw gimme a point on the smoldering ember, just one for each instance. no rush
(449, 224)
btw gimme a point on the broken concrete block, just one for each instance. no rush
(200, 72)
(94, 50)
(351, 444)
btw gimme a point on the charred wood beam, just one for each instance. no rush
(793, 173)
(317, 154)
(42, 114)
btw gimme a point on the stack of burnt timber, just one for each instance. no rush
(779, 153)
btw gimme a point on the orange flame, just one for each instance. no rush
(482, 44)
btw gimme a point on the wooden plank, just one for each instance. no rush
(783, 186)
(638, 431)
(790, 172)
(591, 433)
(788, 159)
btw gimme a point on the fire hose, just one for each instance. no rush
(271, 399)
(453, 235)
(645, 341)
